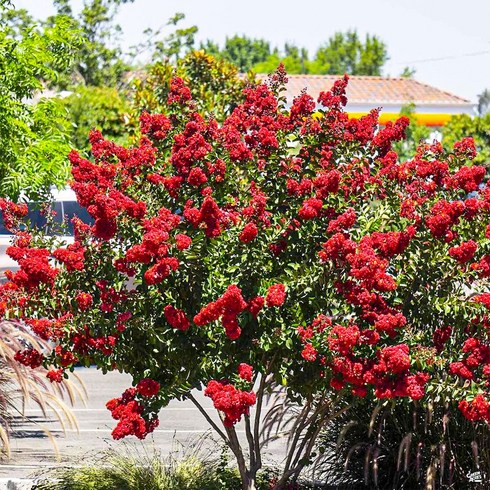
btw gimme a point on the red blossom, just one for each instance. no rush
(245, 371)
(84, 300)
(464, 252)
(148, 387)
(309, 353)
(477, 409)
(29, 357)
(55, 375)
(232, 402)
(248, 233)
(276, 295)
(176, 318)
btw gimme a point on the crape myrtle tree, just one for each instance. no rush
(284, 246)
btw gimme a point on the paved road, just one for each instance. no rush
(32, 449)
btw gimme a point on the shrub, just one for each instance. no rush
(103, 108)
(279, 247)
(383, 445)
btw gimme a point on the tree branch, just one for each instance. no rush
(209, 419)
(251, 442)
(258, 412)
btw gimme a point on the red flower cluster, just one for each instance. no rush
(309, 353)
(176, 318)
(210, 217)
(55, 375)
(464, 252)
(84, 301)
(476, 409)
(343, 221)
(370, 269)
(441, 336)
(477, 359)
(245, 371)
(335, 98)
(179, 92)
(29, 357)
(443, 216)
(392, 132)
(396, 360)
(337, 248)
(467, 178)
(183, 242)
(232, 402)
(34, 265)
(128, 412)
(389, 322)
(227, 307)
(310, 209)
(255, 305)
(85, 343)
(155, 125)
(148, 387)
(73, 256)
(276, 295)
(248, 233)
(46, 328)
(12, 213)
(465, 148)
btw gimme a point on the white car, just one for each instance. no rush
(65, 205)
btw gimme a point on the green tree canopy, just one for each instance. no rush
(242, 51)
(33, 136)
(342, 53)
(346, 53)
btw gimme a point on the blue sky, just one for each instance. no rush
(446, 41)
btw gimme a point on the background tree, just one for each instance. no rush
(343, 53)
(215, 85)
(105, 108)
(34, 137)
(408, 72)
(346, 53)
(178, 43)
(294, 59)
(242, 51)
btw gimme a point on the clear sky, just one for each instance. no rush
(446, 41)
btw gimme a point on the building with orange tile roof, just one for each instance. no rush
(433, 107)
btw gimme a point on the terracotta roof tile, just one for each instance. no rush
(373, 90)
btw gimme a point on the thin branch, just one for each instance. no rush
(250, 439)
(209, 419)
(258, 412)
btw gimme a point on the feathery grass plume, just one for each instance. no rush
(385, 446)
(21, 386)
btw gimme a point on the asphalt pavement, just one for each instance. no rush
(34, 438)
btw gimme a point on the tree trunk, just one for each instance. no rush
(249, 482)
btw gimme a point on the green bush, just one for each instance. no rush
(103, 108)
(134, 469)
